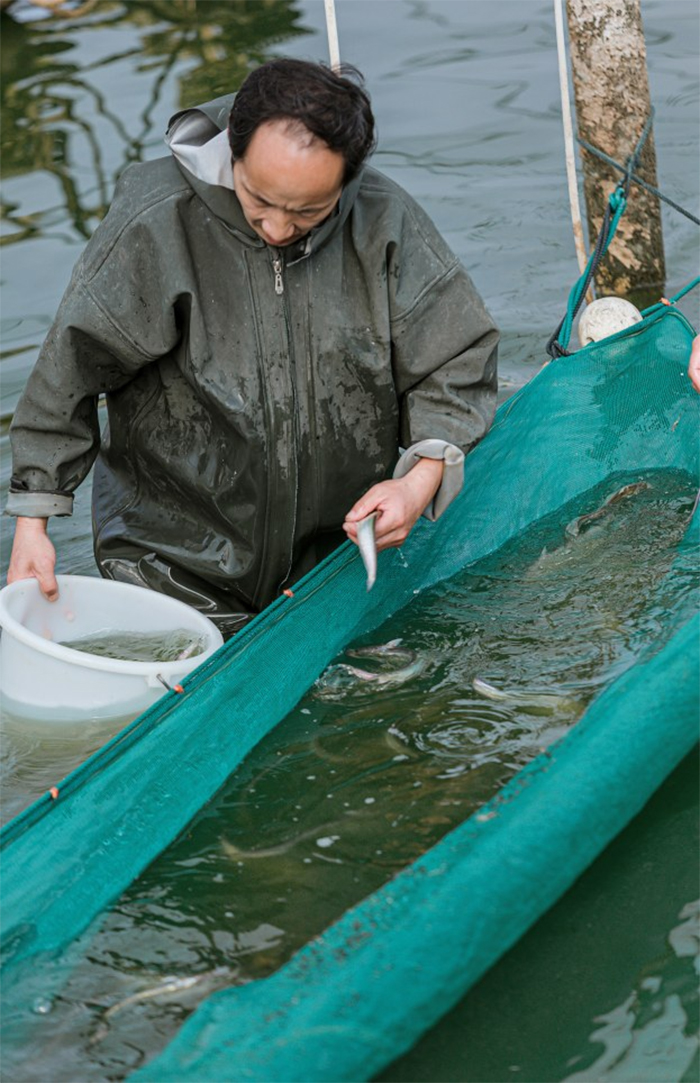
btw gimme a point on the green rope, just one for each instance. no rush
(558, 343)
(672, 300)
(636, 180)
(686, 289)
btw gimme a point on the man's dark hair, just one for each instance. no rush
(333, 106)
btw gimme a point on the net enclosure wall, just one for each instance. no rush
(361, 994)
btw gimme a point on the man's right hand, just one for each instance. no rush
(33, 556)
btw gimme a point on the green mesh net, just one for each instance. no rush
(361, 994)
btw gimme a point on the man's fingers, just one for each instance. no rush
(384, 524)
(371, 501)
(388, 539)
(396, 509)
(390, 530)
(368, 505)
(48, 584)
(49, 588)
(43, 568)
(34, 557)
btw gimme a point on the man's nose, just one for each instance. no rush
(279, 226)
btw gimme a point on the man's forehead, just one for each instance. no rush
(290, 172)
(269, 197)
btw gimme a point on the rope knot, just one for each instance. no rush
(618, 198)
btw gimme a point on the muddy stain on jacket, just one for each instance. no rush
(244, 422)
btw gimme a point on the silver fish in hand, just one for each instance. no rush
(367, 545)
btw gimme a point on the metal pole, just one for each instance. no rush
(569, 145)
(611, 90)
(332, 30)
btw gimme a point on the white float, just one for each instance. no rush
(606, 317)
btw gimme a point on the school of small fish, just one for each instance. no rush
(342, 676)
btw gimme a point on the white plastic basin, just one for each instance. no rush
(41, 679)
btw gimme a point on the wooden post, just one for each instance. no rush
(611, 90)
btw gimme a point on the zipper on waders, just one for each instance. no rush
(277, 267)
(279, 281)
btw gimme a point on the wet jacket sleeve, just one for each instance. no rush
(444, 350)
(105, 330)
(452, 458)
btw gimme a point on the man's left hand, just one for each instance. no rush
(399, 504)
(694, 365)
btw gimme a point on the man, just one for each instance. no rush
(272, 323)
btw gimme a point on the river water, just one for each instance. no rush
(466, 95)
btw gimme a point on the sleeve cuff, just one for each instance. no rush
(453, 474)
(39, 505)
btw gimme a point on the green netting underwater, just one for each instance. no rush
(357, 996)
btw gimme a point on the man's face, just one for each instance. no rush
(287, 183)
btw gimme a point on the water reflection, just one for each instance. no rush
(650, 1035)
(36, 756)
(57, 117)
